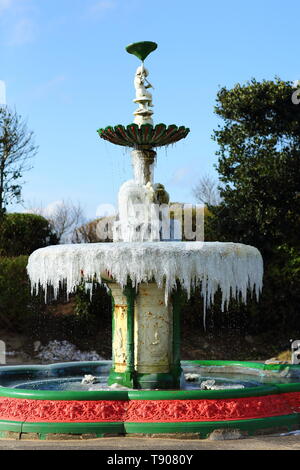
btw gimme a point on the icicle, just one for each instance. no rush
(233, 267)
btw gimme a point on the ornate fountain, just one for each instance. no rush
(146, 276)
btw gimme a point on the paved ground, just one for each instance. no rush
(291, 442)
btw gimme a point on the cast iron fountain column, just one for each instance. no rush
(146, 343)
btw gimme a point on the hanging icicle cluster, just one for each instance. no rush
(232, 267)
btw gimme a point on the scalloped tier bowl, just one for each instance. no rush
(49, 400)
(146, 136)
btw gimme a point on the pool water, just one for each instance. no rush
(68, 377)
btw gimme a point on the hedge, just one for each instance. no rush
(16, 302)
(21, 234)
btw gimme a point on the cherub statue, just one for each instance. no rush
(141, 85)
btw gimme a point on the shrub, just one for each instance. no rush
(97, 304)
(16, 302)
(21, 234)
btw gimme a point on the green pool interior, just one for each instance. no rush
(226, 375)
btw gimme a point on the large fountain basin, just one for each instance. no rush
(269, 401)
(232, 267)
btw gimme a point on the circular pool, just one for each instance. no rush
(46, 400)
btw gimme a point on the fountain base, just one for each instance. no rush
(43, 401)
(146, 337)
(162, 381)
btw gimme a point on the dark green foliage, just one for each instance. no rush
(97, 304)
(87, 325)
(80, 330)
(21, 234)
(16, 302)
(29, 315)
(281, 296)
(259, 169)
(259, 164)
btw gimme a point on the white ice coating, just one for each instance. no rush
(233, 267)
(138, 202)
(143, 166)
(138, 215)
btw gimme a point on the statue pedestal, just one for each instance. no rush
(146, 342)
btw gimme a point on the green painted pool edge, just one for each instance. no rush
(251, 365)
(143, 394)
(203, 428)
(290, 422)
(202, 394)
(11, 426)
(64, 396)
(74, 428)
(154, 394)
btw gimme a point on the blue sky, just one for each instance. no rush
(67, 72)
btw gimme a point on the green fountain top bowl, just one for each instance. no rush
(141, 49)
(145, 136)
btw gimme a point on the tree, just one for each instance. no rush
(259, 164)
(206, 191)
(64, 219)
(17, 148)
(259, 169)
(21, 234)
(63, 216)
(95, 231)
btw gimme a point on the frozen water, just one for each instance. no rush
(70, 377)
(65, 351)
(211, 385)
(191, 377)
(233, 267)
(136, 210)
(89, 379)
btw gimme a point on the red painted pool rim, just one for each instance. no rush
(101, 412)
